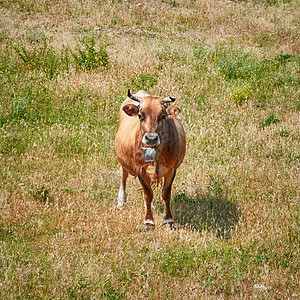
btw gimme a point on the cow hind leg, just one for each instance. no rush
(122, 196)
(166, 195)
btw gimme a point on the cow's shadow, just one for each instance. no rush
(206, 211)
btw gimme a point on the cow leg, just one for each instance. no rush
(122, 197)
(166, 195)
(148, 197)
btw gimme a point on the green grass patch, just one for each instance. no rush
(90, 56)
(271, 119)
(45, 59)
(264, 81)
(143, 81)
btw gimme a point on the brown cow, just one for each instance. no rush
(150, 144)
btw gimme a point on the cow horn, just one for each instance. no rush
(168, 100)
(134, 97)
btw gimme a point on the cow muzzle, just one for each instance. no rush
(151, 139)
(149, 153)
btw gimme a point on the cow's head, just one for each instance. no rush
(152, 112)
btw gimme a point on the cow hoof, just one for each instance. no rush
(121, 205)
(148, 226)
(169, 224)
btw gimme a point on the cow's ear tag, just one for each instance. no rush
(172, 111)
(131, 109)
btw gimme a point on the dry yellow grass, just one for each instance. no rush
(233, 67)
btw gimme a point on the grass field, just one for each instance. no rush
(65, 68)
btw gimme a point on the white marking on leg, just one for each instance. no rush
(122, 197)
(169, 221)
(149, 222)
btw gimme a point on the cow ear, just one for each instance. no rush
(172, 111)
(131, 109)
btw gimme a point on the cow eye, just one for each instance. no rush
(141, 117)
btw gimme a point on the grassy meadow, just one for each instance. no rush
(65, 68)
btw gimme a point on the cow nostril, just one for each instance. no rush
(151, 139)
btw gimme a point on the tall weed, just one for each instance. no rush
(43, 58)
(53, 63)
(88, 56)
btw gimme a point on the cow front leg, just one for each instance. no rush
(166, 195)
(148, 197)
(122, 196)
